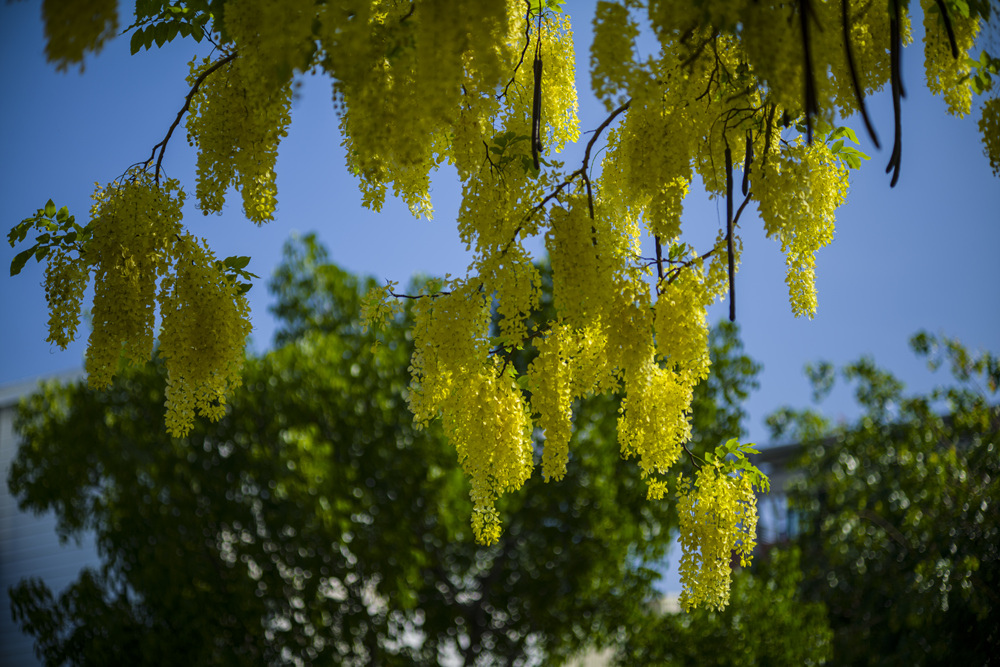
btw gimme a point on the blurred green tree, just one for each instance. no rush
(900, 512)
(313, 524)
(766, 623)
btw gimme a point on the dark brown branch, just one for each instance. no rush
(419, 296)
(659, 263)
(859, 94)
(747, 161)
(691, 455)
(895, 51)
(180, 114)
(729, 235)
(536, 107)
(767, 133)
(947, 26)
(697, 52)
(739, 211)
(812, 106)
(494, 167)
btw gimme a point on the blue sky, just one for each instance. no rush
(923, 255)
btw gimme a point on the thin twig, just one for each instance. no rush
(582, 171)
(691, 455)
(420, 296)
(180, 114)
(527, 41)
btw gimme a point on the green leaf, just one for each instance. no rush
(136, 42)
(19, 231)
(237, 262)
(62, 214)
(70, 237)
(19, 260)
(160, 34)
(50, 209)
(41, 251)
(42, 238)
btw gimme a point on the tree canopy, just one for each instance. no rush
(899, 512)
(892, 557)
(314, 524)
(488, 87)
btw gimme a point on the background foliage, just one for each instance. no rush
(900, 512)
(314, 523)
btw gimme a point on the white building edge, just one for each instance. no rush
(28, 543)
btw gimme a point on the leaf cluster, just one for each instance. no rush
(57, 229)
(158, 22)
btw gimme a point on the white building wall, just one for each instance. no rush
(28, 543)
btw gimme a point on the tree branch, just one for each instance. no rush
(858, 92)
(895, 49)
(180, 114)
(729, 234)
(582, 171)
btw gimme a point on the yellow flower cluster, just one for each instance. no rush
(486, 419)
(681, 325)
(450, 344)
(378, 306)
(948, 75)
(237, 119)
(74, 27)
(654, 418)
(550, 383)
(136, 243)
(273, 39)
(718, 516)
(989, 127)
(582, 272)
(205, 325)
(798, 195)
(612, 63)
(559, 103)
(408, 77)
(135, 224)
(66, 278)
(516, 286)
